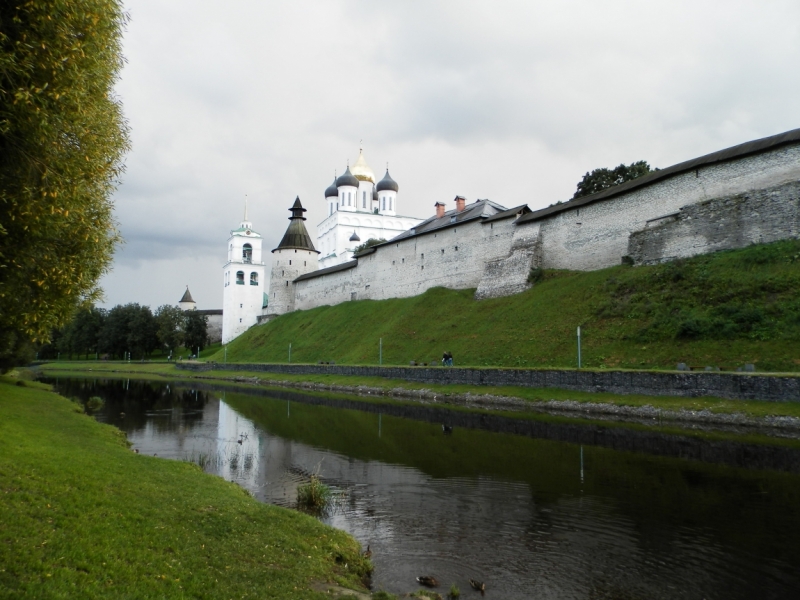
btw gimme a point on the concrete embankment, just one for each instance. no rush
(732, 386)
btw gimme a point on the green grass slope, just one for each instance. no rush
(81, 516)
(723, 309)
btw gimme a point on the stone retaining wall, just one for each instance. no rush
(734, 386)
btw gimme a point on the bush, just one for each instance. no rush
(313, 496)
(536, 275)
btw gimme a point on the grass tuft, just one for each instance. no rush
(314, 496)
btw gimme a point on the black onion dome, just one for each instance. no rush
(347, 178)
(296, 235)
(354, 237)
(331, 189)
(387, 183)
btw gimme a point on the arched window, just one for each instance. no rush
(253, 278)
(247, 253)
(363, 199)
(390, 203)
(384, 203)
(239, 277)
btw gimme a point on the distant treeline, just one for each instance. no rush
(128, 328)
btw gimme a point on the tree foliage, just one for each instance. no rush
(171, 322)
(129, 328)
(62, 141)
(368, 244)
(601, 179)
(196, 327)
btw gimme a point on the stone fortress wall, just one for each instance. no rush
(725, 200)
(752, 217)
(451, 257)
(595, 236)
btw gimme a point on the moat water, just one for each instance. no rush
(536, 508)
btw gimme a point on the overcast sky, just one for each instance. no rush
(508, 100)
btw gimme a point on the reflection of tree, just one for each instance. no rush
(138, 400)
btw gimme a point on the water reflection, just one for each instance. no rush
(532, 514)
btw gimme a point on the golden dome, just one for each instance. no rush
(361, 169)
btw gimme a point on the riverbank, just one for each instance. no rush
(706, 409)
(85, 516)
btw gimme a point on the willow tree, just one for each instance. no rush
(62, 142)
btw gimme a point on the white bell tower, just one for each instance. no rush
(243, 281)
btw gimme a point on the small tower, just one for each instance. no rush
(243, 281)
(387, 189)
(187, 302)
(294, 256)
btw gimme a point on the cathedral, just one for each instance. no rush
(358, 209)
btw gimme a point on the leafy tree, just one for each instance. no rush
(196, 327)
(142, 331)
(171, 321)
(62, 141)
(129, 328)
(368, 244)
(82, 334)
(601, 179)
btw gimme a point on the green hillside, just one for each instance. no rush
(724, 310)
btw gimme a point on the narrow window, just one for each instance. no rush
(363, 199)
(456, 248)
(290, 263)
(247, 253)
(402, 260)
(253, 278)
(422, 255)
(287, 284)
(241, 306)
(384, 203)
(304, 263)
(282, 273)
(239, 277)
(442, 250)
(240, 320)
(390, 203)
(423, 267)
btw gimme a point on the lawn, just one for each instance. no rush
(85, 517)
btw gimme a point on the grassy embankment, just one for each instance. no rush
(724, 309)
(226, 378)
(83, 516)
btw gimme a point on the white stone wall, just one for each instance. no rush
(754, 217)
(453, 257)
(596, 236)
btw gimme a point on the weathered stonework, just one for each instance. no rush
(595, 236)
(753, 217)
(735, 386)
